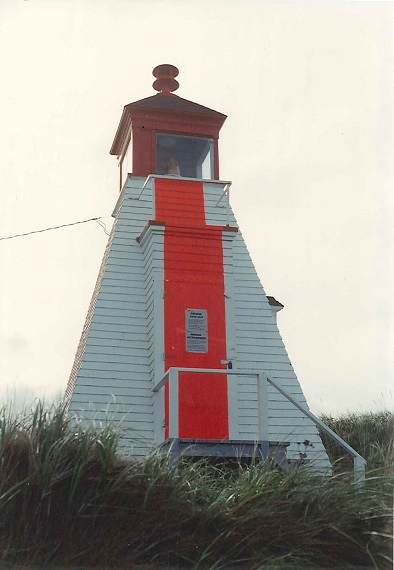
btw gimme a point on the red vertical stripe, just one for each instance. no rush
(194, 279)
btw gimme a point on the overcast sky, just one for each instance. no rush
(308, 89)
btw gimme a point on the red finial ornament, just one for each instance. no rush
(165, 82)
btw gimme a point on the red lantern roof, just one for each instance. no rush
(164, 103)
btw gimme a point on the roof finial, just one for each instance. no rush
(165, 82)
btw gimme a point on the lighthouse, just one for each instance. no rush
(181, 346)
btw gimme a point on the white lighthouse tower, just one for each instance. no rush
(181, 345)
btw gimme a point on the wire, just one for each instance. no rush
(98, 220)
(102, 224)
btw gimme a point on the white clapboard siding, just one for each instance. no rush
(90, 377)
(111, 379)
(103, 388)
(259, 347)
(122, 345)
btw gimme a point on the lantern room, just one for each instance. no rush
(168, 135)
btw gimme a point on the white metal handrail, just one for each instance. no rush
(225, 183)
(171, 377)
(226, 192)
(359, 462)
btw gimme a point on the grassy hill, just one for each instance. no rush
(68, 499)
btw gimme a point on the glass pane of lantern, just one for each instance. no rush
(126, 163)
(185, 156)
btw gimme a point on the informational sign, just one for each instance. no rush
(196, 330)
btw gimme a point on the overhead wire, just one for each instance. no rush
(103, 225)
(98, 220)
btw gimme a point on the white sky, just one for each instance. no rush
(308, 89)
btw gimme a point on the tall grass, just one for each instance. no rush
(67, 499)
(371, 434)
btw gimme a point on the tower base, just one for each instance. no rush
(238, 449)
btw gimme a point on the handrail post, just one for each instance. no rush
(173, 404)
(153, 198)
(144, 185)
(359, 471)
(228, 206)
(262, 408)
(225, 192)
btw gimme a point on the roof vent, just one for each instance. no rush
(165, 82)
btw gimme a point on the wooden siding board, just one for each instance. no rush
(248, 327)
(103, 407)
(255, 303)
(249, 400)
(247, 287)
(123, 273)
(131, 322)
(113, 278)
(137, 354)
(134, 306)
(116, 341)
(132, 402)
(127, 312)
(140, 378)
(104, 387)
(136, 348)
(91, 365)
(267, 350)
(261, 320)
(253, 310)
(99, 332)
(129, 422)
(287, 423)
(270, 341)
(120, 287)
(121, 298)
(246, 401)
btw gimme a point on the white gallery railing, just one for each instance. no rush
(225, 184)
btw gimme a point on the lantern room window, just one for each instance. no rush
(192, 157)
(126, 163)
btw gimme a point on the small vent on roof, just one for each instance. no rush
(165, 82)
